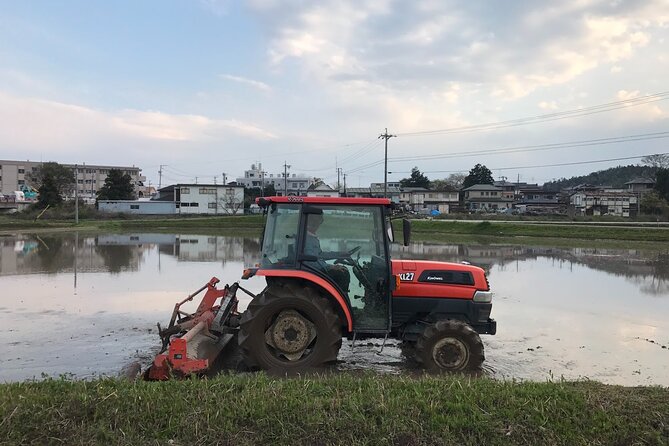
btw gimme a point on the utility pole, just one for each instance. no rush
(160, 176)
(195, 180)
(386, 136)
(225, 177)
(285, 178)
(76, 194)
(344, 184)
(339, 169)
(214, 180)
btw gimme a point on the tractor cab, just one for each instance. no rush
(340, 244)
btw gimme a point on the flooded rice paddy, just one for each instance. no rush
(87, 305)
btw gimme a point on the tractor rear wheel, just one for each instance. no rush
(289, 328)
(449, 346)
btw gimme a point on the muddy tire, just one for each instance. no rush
(289, 328)
(449, 346)
(408, 350)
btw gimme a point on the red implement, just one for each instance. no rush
(192, 342)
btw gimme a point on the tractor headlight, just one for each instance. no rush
(483, 296)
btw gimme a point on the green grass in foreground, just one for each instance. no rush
(337, 409)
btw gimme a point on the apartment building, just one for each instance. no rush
(15, 175)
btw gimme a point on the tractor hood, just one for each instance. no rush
(422, 278)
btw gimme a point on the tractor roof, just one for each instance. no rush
(264, 201)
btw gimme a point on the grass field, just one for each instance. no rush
(425, 230)
(334, 409)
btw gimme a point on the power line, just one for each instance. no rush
(529, 148)
(367, 148)
(541, 147)
(573, 163)
(642, 100)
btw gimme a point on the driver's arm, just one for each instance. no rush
(329, 255)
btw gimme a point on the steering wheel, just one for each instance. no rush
(355, 265)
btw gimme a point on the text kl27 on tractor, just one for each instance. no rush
(329, 275)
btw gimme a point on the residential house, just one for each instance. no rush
(604, 202)
(640, 185)
(321, 190)
(373, 192)
(424, 200)
(533, 198)
(487, 198)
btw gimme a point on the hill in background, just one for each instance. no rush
(615, 177)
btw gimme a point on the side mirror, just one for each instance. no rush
(406, 231)
(389, 231)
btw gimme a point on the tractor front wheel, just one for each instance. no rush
(289, 328)
(449, 346)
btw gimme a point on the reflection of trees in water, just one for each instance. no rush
(116, 258)
(648, 270)
(54, 252)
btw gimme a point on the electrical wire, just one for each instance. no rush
(540, 147)
(642, 100)
(573, 163)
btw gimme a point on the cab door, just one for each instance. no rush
(347, 245)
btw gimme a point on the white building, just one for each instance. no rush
(322, 190)
(420, 199)
(605, 202)
(216, 199)
(144, 207)
(257, 177)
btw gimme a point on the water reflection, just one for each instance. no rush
(114, 253)
(649, 270)
(128, 282)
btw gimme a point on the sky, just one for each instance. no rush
(207, 87)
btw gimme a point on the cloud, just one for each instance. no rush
(242, 80)
(548, 105)
(38, 124)
(508, 52)
(217, 7)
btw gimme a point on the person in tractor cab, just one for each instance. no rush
(312, 247)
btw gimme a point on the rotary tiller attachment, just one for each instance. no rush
(191, 342)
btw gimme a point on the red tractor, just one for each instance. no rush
(329, 275)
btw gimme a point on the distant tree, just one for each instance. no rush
(118, 186)
(659, 160)
(613, 176)
(453, 181)
(47, 194)
(653, 204)
(251, 193)
(229, 203)
(662, 182)
(479, 174)
(52, 181)
(417, 179)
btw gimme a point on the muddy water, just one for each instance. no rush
(86, 305)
